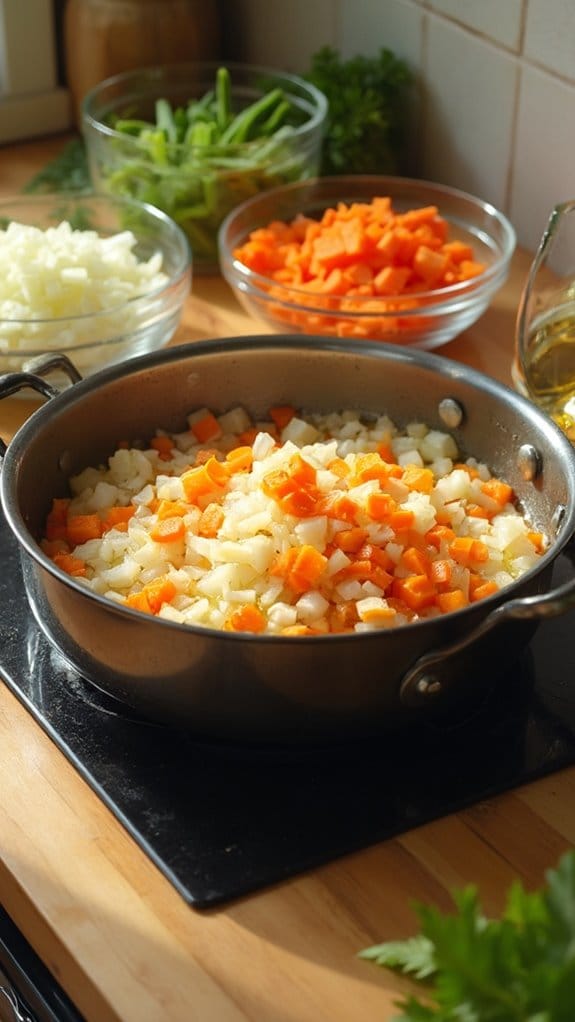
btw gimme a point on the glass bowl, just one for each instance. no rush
(419, 317)
(99, 302)
(198, 184)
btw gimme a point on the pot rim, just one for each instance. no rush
(439, 364)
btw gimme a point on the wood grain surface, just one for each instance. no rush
(120, 939)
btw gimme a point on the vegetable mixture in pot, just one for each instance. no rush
(306, 524)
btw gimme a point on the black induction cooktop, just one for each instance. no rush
(221, 821)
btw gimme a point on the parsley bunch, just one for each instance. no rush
(67, 172)
(367, 121)
(519, 968)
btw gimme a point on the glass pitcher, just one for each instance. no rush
(544, 361)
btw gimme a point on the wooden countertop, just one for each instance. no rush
(120, 939)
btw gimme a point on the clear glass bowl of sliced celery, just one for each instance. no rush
(196, 140)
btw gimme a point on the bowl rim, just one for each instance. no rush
(249, 282)
(161, 72)
(174, 280)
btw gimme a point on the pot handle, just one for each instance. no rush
(32, 377)
(429, 675)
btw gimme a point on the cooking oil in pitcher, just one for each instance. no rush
(544, 364)
(549, 366)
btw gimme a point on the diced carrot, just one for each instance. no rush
(414, 218)
(385, 452)
(416, 561)
(56, 527)
(440, 572)
(357, 568)
(470, 268)
(206, 428)
(56, 520)
(467, 551)
(54, 546)
(500, 492)
(210, 521)
(350, 540)
(439, 534)
(401, 519)
(339, 467)
(247, 618)
(282, 415)
(380, 506)
(339, 506)
(416, 591)
(472, 472)
(283, 563)
(171, 509)
(70, 564)
(307, 568)
(358, 274)
(300, 502)
(475, 580)
(487, 588)
(538, 540)
(248, 436)
(454, 599)
(457, 251)
(160, 590)
(378, 615)
(301, 472)
(376, 555)
(391, 280)
(380, 577)
(117, 518)
(368, 467)
(152, 596)
(478, 511)
(218, 472)
(138, 601)
(203, 479)
(430, 265)
(164, 445)
(342, 617)
(240, 459)
(168, 530)
(277, 483)
(82, 528)
(417, 478)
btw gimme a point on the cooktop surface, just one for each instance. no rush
(223, 821)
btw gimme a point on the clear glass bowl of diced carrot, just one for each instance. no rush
(377, 258)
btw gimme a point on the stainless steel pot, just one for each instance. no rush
(267, 688)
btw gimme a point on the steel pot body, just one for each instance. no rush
(266, 688)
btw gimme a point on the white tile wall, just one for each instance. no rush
(498, 20)
(550, 35)
(470, 89)
(399, 28)
(544, 165)
(496, 77)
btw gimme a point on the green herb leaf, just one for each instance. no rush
(68, 172)
(519, 968)
(412, 957)
(367, 120)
